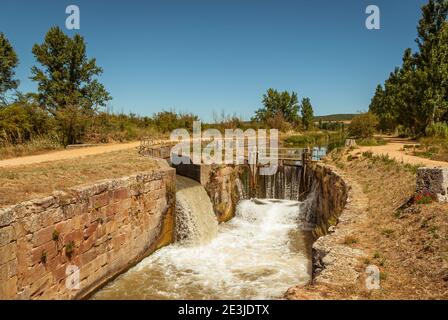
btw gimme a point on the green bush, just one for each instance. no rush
(333, 139)
(21, 122)
(437, 130)
(363, 126)
(403, 132)
(371, 142)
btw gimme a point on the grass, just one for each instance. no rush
(432, 148)
(389, 163)
(36, 146)
(350, 240)
(309, 139)
(412, 251)
(387, 232)
(371, 142)
(33, 181)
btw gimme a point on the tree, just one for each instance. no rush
(416, 95)
(8, 62)
(363, 125)
(307, 114)
(278, 105)
(67, 87)
(435, 74)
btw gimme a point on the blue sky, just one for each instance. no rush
(200, 56)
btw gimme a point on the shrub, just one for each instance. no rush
(55, 235)
(349, 240)
(423, 197)
(371, 142)
(69, 248)
(21, 122)
(403, 132)
(331, 139)
(43, 257)
(363, 125)
(367, 154)
(438, 130)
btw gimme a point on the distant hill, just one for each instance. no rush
(335, 117)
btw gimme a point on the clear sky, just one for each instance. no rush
(200, 56)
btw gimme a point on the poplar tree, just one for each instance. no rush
(307, 113)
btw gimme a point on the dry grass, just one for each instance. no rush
(410, 247)
(33, 181)
(36, 146)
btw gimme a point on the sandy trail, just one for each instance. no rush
(394, 149)
(66, 154)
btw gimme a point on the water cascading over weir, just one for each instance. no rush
(262, 251)
(238, 235)
(196, 223)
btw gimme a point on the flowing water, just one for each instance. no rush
(257, 255)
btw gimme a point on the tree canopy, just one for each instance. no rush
(363, 126)
(67, 84)
(415, 95)
(68, 76)
(307, 113)
(278, 104)
(8, 62)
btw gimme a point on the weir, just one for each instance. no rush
(238, 235)
(262, 251)
(196, 223)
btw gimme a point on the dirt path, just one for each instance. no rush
(394, 148)
(66, 154)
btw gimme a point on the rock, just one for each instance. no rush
(350, 143)
(434, 180)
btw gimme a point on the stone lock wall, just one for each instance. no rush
(95, 232)
(220, 184)
(331, 193)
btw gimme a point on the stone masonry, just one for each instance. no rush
(68, 244)
(434, 180)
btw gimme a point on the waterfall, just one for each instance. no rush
(285, 184)
(262, 251)
(195, 220)
(241, 189)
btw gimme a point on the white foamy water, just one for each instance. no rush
(257, 255)
(196, 223)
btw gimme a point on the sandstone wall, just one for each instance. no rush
(340, 204)
(331, 194)
(222, 189)
(102, 229)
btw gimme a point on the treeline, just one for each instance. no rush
(414, 99)
(70, 105)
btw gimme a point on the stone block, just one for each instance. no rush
(8, 252)
(100, 200)
(8, 289)
(8, 270)
(42, 236)
(121, 194)
(7, 235)
(49, 249)
(6, 216)
(90, 230)
(434, 180)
